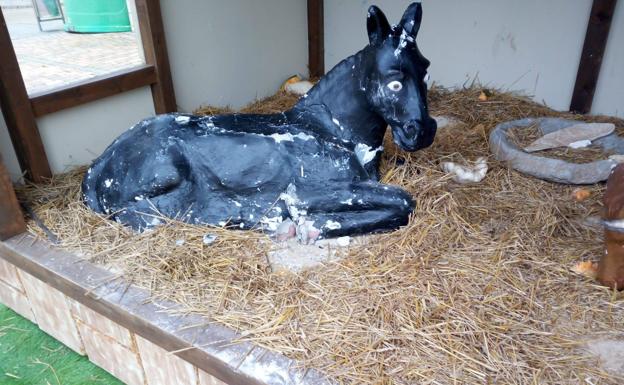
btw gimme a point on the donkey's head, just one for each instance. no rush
(397, 78)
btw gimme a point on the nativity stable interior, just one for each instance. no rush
(492, 279)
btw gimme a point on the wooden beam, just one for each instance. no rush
(18, 113)
(92, 89)
(316, 38)
(591, 57)
(155, 48)
(11, 217)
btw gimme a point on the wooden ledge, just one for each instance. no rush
(92, 89)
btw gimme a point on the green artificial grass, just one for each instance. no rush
(30, 356)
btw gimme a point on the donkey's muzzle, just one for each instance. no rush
(415, 134)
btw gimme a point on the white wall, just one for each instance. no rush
(609, 97)
(231, 52)
(531, 45)
(77, 135)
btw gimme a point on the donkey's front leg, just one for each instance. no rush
(372, 167)
(350, 208)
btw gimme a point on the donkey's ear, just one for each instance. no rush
(377, 26)
(411, 19)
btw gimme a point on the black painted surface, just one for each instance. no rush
(316, 164)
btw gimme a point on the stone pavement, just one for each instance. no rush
(55, 58)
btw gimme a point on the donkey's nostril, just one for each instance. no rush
(411, 128)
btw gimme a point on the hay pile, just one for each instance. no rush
(476, 289)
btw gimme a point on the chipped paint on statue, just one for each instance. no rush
(309, 172)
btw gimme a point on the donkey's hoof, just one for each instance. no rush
(285, 231)
(306, 232)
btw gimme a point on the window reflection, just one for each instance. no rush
(58, 43)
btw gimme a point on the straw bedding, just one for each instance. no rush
(476, 289)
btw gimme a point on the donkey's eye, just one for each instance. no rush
(395, 86)
(426, 78)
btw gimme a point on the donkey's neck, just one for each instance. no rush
(338, 106)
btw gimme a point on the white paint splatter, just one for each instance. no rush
(288, 137)
(347, 202)
(332, 225)
(180, 242)
(271, 223)
(292, 200)
(108, 183)
(290, 196)
(139, 198)
(182, 119)
(337, 123)
(365, 153)
(237, 204)
(405, 37)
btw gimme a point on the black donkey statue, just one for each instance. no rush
(310, 172)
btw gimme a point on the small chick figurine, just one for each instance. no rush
(611, 265)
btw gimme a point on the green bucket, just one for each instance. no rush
(52, 8)
(95, 16)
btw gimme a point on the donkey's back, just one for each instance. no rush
(188, 166)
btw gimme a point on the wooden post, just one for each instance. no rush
(316, 38)
(18, 113)
(11, 218)
(591, 57)
(155, 48)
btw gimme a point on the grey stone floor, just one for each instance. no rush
(55, 58)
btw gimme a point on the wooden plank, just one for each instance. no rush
(316, 38)
(18, 113)
(155, 48)
(591, 57)
(92, 89)
(11, 217)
